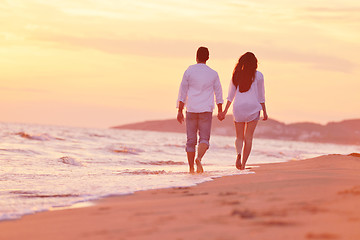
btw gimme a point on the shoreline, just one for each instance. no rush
(317, 198)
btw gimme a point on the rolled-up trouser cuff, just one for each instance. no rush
(204, 141)
(197, 122)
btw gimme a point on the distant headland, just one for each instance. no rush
(342, 132)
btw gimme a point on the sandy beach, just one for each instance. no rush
(315, 198)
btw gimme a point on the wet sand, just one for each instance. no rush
(316, 199)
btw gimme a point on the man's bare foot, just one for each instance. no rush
(238, 161)
(199, 168)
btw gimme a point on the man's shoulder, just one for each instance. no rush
(208, 68)
(192, 66)
(196, 67)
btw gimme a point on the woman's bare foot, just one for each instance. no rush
(199, 168)
(238, 161)
(242, 166)
(191, 170)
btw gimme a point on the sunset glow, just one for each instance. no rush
(99, 63)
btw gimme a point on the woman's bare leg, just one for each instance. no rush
(249, 134)
(239, 127)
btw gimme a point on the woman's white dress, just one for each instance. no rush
(246, 106)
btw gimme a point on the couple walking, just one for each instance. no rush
(199, 85)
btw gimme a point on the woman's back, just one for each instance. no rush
(246, 105)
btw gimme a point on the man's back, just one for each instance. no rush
(198, 86)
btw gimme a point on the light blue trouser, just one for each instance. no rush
(197, 122)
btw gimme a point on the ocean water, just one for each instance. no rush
(49, 167)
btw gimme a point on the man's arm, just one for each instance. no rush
(180, 115)
(220, 113)
(218, 93)
(218, 96)
(183, 91)
(219, 107)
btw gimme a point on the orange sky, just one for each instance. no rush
(95, 63)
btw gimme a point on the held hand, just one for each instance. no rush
(180, 117)
(221, 115)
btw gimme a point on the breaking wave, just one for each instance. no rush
(37, 195)
(175, 145)
(160, 163)
(23, 151)
(144, 172)
(70, 161)
(125, 150)
(38, 137)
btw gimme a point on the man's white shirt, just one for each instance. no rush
(197, 89)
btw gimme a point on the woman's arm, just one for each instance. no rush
(230, 98)
(264, 111)
(227, 106)
(261, 94)
(221, 116)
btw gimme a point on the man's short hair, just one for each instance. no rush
(202, 54)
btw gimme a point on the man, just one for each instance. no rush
(197, 89)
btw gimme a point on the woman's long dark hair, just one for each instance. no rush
(244, 72)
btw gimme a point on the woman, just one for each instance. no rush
(247, 87)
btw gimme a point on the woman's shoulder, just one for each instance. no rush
(259, 76)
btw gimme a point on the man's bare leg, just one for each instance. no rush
(202, 148)
(191, 157)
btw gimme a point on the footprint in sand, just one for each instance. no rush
(320, 236)
(227, 193)
(245, 214)
(353, 191)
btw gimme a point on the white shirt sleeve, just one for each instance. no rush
(183, 91)
(232, 92)
(218, 90)
(261, 89)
